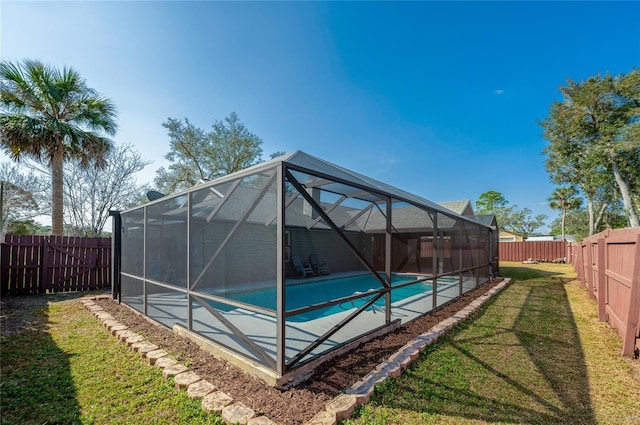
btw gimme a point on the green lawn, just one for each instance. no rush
(535, 355)
(69, 370)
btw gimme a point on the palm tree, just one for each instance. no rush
(53, 116)
(565, 198)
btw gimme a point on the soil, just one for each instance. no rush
(293, 406)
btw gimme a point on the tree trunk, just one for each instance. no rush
(564, 215)
(57, 190)
(623, 185)
(590, 210)
(603, 208)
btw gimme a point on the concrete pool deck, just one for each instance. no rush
(233, 340)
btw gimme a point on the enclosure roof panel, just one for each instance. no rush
(312, 163)
(336, 179)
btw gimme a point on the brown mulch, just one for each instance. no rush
(293, 406)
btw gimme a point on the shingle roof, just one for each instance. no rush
(462, 207)
(486, 219)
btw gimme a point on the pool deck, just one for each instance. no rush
(252, 336)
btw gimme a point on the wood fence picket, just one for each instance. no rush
(44, 264)
(608, 265)
(541, 250)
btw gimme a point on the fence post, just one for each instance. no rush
(116, 247)
(602, 290)
(4, 268)
(44, 269)
(579, 266)
(589, 269)
(633, 315)
(585, 264)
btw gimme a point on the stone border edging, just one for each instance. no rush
(343, 405)
(184, 379)
(340, 408)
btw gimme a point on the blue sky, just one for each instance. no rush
(438, 98)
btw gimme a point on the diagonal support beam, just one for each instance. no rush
(335, 228)
(302, 354)
(239, 222)
(357, 216)
(237, 332)
(331, 208)
(225, 198)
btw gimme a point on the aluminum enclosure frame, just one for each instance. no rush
(284, 191)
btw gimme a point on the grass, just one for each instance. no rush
(536, 355)
(69, 370)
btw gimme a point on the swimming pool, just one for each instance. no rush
(309, 293)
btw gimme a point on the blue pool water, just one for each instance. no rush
(306, 294)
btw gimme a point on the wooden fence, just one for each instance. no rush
(608, 264)
(541, 250)
(44, 264)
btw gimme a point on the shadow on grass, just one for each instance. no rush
(36, 385)
(548, 332)
(520, 362)
(524, 272)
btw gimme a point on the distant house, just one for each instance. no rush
(491, 221)
(464, 208)
(459, 207)
(487, 220)
(509, 236)
(568, 238)
(539, 238)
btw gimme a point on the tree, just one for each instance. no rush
(18, 196)
(53, 116)
(593, 134)
(576, 222)
(196, 155)
(190, 157)
(277, 154)
(564, 199)
(519, 220)
(28, 227)
(597, 186)
(234, 146)
(92, 191)
(509, 217)
(490, 202)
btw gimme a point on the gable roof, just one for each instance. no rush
(462, 207)
(486, 219)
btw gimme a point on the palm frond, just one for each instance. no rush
(53, 109)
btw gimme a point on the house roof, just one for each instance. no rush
(510, 232)
(462, 207)
(486, 219)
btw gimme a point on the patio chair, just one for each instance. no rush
(317, 266)
(304, 270)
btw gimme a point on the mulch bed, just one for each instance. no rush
(295, 405)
